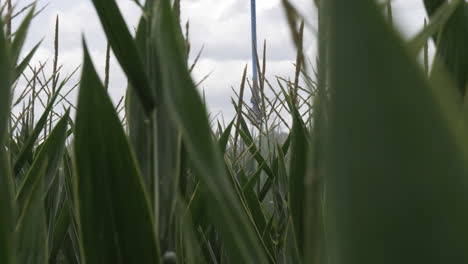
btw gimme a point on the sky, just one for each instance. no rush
(221, 27)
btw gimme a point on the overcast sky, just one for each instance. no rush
(223, 27)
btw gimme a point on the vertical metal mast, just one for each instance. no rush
(255, 100)
(253, 10)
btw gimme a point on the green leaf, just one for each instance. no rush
(168, 144)
(188, 247)
(283, 178)
(26, 151)
(297, 174)
(24, 63)
(52, 152)
(125, 51)
(20, 35)
(255, 208)
(70, 248)
(437, 23)
(140, 126)
(247, 137)
(6, 82)
(7, 213)
(113, 209)
(254, 150)
(159, 139)
(187, 109)
(254, 178)
(452, 54)
(224, 138)
(60, 230)
(395, 164)
(7, 209)
(32, 245)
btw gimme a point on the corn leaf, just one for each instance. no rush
(125, 50)
(52, 152)
(20, 35)
(452, 54)
(32, 245)
(25, 62)
(437, 23)
(297, 174)
(224, 138)
(27, 149)
(140, 126)
(113, 209)
(187, 109)
(7, 214)
(396, 173)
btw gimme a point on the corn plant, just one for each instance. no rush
(361, 158)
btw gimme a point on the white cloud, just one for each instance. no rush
(222, 26)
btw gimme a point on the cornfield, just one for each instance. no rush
(362, 158)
